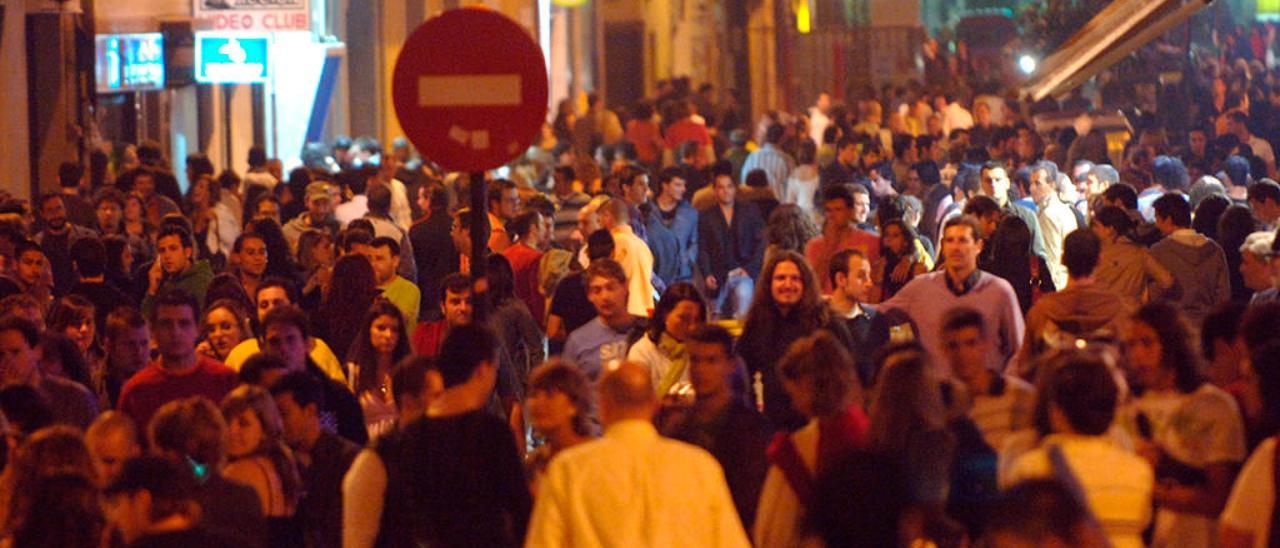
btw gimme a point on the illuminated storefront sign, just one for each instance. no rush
(129, 62)
(232, 58)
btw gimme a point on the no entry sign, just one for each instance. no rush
(470, 89)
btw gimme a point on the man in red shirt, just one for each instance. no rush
(839, 233)
(686, 129)
(455, 303)
(526, 256)
(179, 372)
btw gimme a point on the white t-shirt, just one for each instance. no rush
(1198, 429)
(1253, 496)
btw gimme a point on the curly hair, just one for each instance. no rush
(821, 363)
(1177, 349)
(789, 228)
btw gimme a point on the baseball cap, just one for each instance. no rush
(318, 190)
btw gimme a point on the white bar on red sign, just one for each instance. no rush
(469, 90)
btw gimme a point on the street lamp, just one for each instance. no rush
(1027, 63)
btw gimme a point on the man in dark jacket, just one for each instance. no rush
(730, 249)
(721, 421)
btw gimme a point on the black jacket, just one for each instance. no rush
(722, 248)
(436, 256)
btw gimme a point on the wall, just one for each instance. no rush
(15, 155)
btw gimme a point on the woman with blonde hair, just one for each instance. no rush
(818, 374)
(258, 457)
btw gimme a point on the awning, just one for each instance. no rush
(1118, 30)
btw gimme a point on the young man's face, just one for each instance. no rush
(1199, 142)
(995, 183)
(297, 420)
(54, 213)
(31, 267)
(838, 212)
(675, 189)
(457, 308)
(857, 284)
(861, 207)
(175, 258)
(1041, 185)
(966, 350)
(384, 263)
(109, 215)
(18, 360)
(130, 350)
(270, 298)
(319, 208)
(725, 190)
(253, 256)
(509, 207)
(607, 295)
(176, 331)
(638, 191)
(286, 341)
(461, 238)
(961, 247)
(268, 209)
(709, 369)
(1256, 271)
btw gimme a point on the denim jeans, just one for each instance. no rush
(735, 297)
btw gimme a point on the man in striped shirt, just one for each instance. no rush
(775, 162)
(1002, 404)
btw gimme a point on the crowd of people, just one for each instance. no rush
(898, 320)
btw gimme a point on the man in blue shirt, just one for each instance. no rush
(606, 337)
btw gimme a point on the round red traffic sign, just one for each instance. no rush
(470, 89)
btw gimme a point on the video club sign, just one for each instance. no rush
(255, 15)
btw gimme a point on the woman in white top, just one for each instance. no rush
(1189, 430)
(802, 184)
(679, 312)
(380, 344)
(1246, 521)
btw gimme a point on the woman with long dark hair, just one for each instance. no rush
(509, 317)
(680, 311)
(380, 344)
(1233, 228)
(1189, 430)
(350, 295)
(900, 260)
(1011, 258)
(279, 254)
(786, 306)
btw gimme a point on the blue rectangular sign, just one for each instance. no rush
(232, 58)
(129, 62)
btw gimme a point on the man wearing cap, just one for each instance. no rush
(318, 216)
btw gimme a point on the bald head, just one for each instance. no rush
(112, 440)
(626, 392)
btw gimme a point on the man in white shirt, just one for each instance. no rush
(1054, 217)
(633, 487)
(818, 119)
(632, 253)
